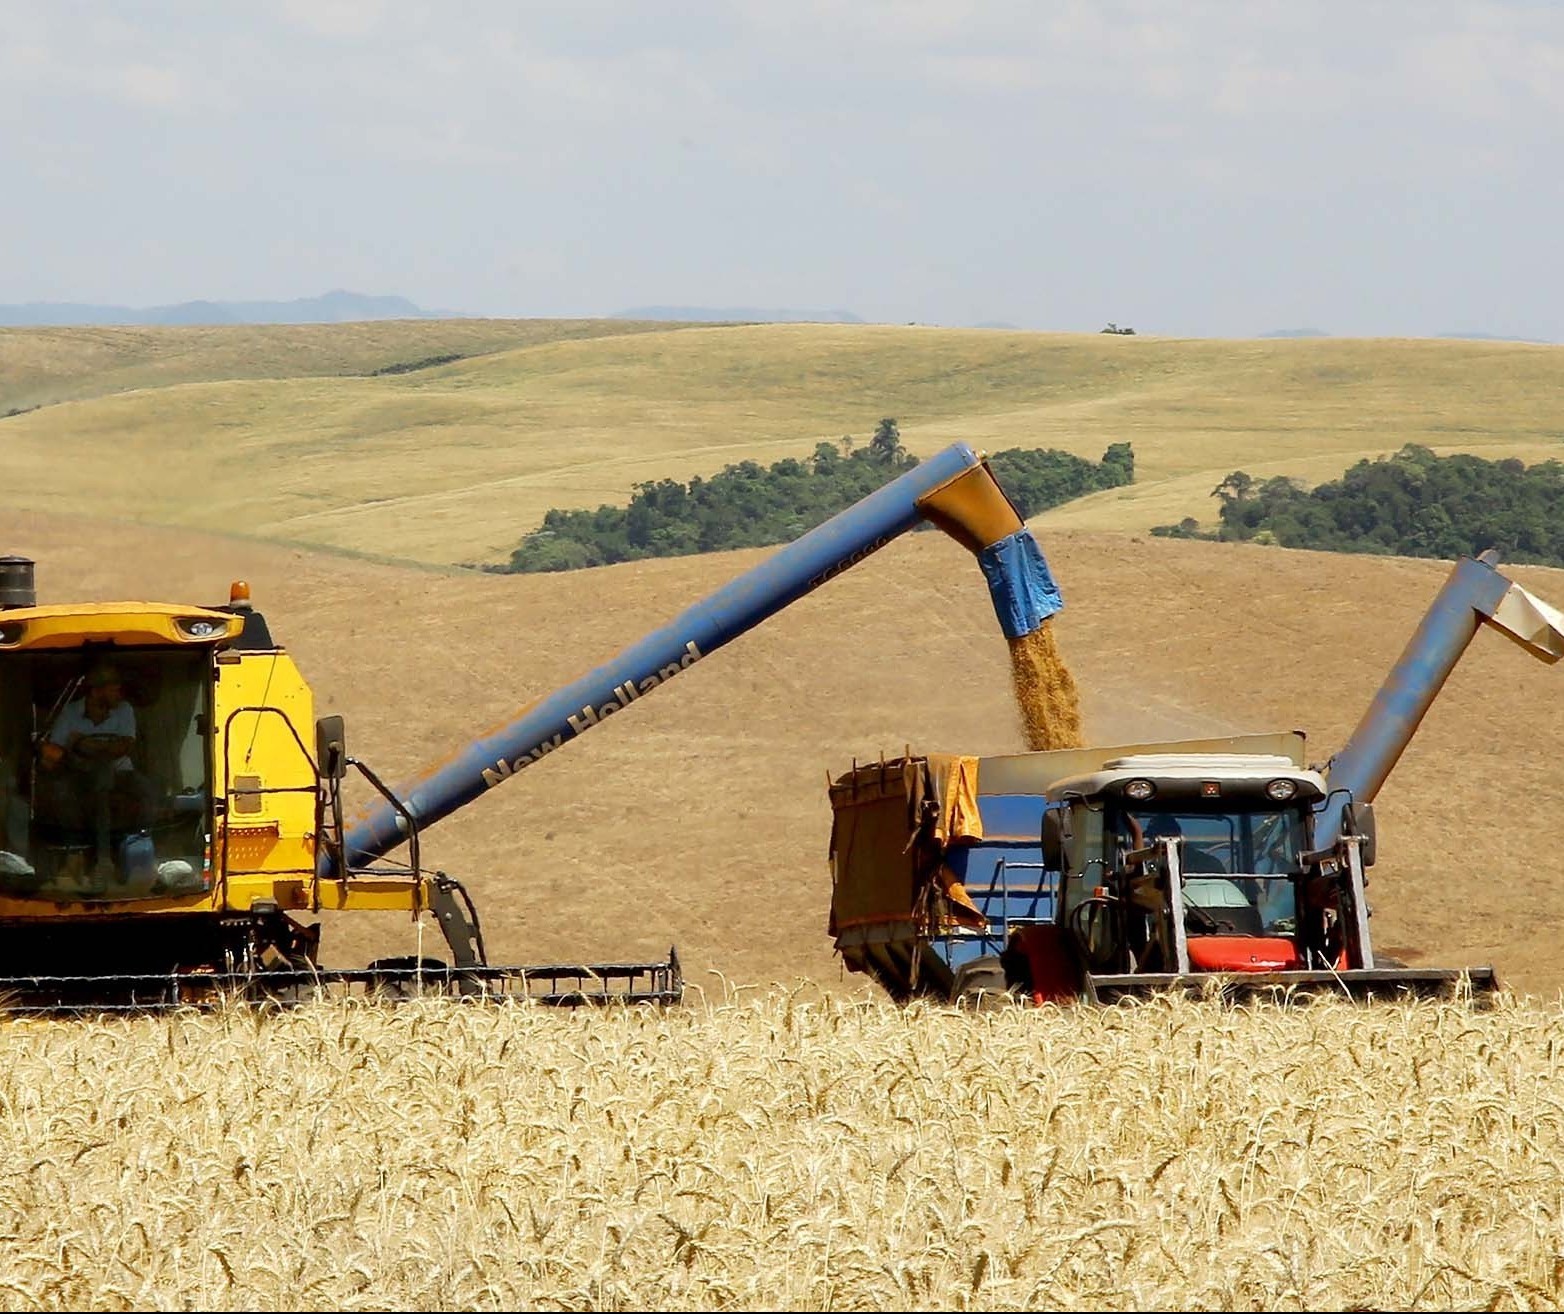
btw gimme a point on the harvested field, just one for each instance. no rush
(699, 816)
(774, 1152)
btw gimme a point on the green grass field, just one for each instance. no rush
(247, 430)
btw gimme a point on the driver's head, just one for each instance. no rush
(1162, 826)
(104, 687)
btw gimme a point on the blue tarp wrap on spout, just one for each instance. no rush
(1020, 583)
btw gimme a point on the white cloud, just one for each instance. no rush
(144, 84)
(334, 18)
(701, 130)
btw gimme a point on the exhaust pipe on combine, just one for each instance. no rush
(954, 490)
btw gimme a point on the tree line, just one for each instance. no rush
(750, 505)
(1413, 504)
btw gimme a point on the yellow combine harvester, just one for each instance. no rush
(171, 816)
(162, 815)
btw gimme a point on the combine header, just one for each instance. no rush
(1103, 872)
(171, 812)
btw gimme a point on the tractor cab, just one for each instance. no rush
(1187, 863)
(106, 792)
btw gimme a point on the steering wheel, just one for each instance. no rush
(1205, 923)
(1086, 919)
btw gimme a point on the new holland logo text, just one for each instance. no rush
(590, 715)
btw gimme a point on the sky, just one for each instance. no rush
(1194, 168)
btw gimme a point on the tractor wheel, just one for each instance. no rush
(981, 984)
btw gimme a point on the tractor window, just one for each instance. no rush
(1231, 858)
(1217, 843)
(1085, 864)
(104, 789)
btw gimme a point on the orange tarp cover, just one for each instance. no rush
(893, 823)
(955, 780)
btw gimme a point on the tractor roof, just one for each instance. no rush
(1208, 778)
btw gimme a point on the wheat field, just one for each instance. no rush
(787, 1150)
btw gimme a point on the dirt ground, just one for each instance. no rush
(698, 817)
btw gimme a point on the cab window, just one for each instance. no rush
(1236, 864)
(104, 781)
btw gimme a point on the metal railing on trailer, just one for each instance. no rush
(961, 945)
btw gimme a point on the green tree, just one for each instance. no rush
(886, 443)
(750, 505)
(1415, 503)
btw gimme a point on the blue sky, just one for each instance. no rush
(1191, 168)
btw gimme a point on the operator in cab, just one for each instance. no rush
(88, 781)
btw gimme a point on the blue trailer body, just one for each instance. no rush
(1003, 874)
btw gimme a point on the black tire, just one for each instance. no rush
(981, 984)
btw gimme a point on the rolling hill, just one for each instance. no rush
(335, 307)
(47, 366)
(286, 434)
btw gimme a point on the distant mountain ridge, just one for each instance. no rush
(335, 307)
(738, 315)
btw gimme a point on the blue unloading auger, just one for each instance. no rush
(1475, 594)
(954, 490)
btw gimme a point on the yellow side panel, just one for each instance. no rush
(265, 734)
(37, 910)
(360, 894)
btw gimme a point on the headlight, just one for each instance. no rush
(1139, 790)
(199, 627)
(11, 633)
(1281, 790)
